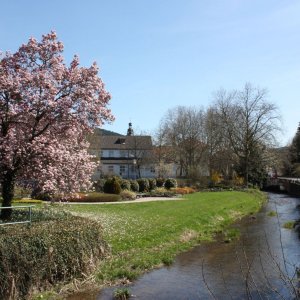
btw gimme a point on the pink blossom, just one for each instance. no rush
(46, 111)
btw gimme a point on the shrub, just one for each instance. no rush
(215, 178)
(134, 186)
(170, 183)
(47, 253)
(125, 184)
(160, 182)
(99, 185)
(38, 194)
(152, 183)
(121, 294)
(143, 185)
(238, 180)
(162, 192)
(128, 195)
(184, 190)
(112, 186)
(94, 197)
(289, 225)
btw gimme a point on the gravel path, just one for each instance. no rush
(144, 199)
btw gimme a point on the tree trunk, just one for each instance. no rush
(8, 185)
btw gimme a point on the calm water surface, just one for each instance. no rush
(260, 265)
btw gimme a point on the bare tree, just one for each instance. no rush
(218, 153)
(183, 129)
(250, 123)
(163, 154)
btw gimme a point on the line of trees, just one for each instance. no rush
(291, 157)
(232, 136)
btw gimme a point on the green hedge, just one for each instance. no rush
(46, 253)
(95, 197)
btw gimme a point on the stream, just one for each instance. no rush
(261, 264)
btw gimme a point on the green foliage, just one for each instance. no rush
(112, 186)
(134, 186)
(152, 183)
(143, 185)
(272, 213)
(128, 195)
(125, 184)
(46, 253)
(289, 225)
(170, 183)
(121, 294)
(160, 182)
(294, 148)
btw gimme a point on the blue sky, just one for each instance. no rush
(157, 54)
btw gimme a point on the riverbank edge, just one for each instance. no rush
(91, 285)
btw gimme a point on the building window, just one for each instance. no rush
(122, 170)
(101, 153)
(110, 169)
(111, 153)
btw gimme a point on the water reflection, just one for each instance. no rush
(258, 266)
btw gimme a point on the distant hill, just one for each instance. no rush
(104, 132)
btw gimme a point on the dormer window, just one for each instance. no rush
(120, 141)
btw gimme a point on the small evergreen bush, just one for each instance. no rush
(125, 184)
(160, 182)
(143, 185)
(152, 183)
(134, 186)
(112, 186)
(170, 183)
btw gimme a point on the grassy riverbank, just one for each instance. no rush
(146, 235)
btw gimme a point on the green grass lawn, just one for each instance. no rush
(146, 235)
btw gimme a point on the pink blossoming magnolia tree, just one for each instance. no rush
(46, 111)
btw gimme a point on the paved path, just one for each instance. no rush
(144, 199)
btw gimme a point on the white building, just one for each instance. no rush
(128, 156)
